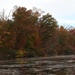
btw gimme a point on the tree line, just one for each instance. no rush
(30, 34)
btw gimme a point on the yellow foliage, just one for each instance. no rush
(21, 53)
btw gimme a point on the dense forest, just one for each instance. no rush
(30, 34)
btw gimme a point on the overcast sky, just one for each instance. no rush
(62, 10)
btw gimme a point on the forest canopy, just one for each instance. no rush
(30, 34)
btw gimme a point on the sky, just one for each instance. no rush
(62, 10)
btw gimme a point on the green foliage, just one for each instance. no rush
(7, 53)
(47, 28)
(67, 52)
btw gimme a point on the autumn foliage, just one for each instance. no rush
(30, 34)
